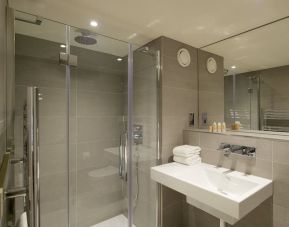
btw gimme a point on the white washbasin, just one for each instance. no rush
(228, 195)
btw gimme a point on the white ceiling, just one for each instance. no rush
(195, 22)
(55, 32)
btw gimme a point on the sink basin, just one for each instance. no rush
(228, 195)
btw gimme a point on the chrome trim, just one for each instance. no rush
(67, 59)
(15, 193)
(68, 104)
(4, 178)
(130, 135)
(33, 156)
(159, 137)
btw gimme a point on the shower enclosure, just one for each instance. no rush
(98, 124)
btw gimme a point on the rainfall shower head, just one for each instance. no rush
(85, 38)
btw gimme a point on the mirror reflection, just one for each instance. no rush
(256, 77)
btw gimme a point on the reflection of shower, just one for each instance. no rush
(86, 37)
(146, 50)
(37, 21)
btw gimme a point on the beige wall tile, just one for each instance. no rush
(191, 138)
(281, 184)
(281, 152)
(179, 102)
(280, 216)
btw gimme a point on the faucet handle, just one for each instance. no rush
(224, 146)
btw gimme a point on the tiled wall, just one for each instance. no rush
(179, 93)
(211, 89)
(3, 4)
(272, 162)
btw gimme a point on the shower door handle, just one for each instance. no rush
(123, 157)
(32, 154)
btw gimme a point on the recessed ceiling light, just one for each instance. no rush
(62, 46)
(93, 23)
(233, 67)
(119, 59)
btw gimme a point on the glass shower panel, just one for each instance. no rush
(145, 135)
(245, 104)
(37, 46)
(274, 101)
(98, 119)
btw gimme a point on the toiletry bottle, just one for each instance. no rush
(237, 125)
(210, 128)
(224, 127)
(219, 127)
(214, 127)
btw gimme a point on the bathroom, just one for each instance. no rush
(99, 101)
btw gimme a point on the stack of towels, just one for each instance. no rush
(186, 154)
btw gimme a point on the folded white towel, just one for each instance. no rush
(186, 150)
(187, 161)
(22, 222)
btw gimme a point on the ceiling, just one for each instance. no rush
(195, 22)
(264, 48)
(55, 32)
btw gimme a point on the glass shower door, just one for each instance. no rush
(37, 47)
(98, 128)
(146, 114)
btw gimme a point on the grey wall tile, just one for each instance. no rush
(191, 138)
(281, 216)
(179, 102)
(281, 152)
(281, 184)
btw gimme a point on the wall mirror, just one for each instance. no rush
(256, 77)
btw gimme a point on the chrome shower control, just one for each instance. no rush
(138, 134)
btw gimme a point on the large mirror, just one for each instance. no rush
(256, 77)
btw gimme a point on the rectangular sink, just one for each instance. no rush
(228, 195)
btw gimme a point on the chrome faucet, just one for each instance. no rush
(237, 149)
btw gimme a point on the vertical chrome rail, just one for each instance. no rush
(68, 104)
(33, 156)
(159, 137)
(130, 135)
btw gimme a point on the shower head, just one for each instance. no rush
(144, 49)
(85, 38)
